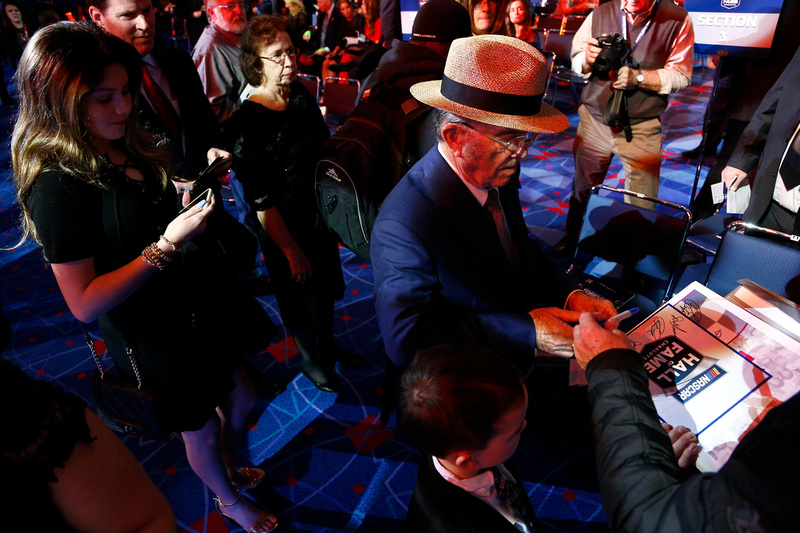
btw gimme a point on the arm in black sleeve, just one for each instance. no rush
(754, 137)
(640, 481)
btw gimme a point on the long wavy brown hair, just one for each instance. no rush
(61, 65)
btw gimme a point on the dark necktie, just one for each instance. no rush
(790, 168)
(493, 206)
(510, 494)
(162, 106)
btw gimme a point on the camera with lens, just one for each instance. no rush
(615, 51)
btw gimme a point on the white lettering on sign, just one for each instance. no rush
(726, 20)
(694, 388)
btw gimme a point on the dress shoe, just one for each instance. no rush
(265, 386)
(328, 383)
(247, 477)
(265, 522)
(346, 357)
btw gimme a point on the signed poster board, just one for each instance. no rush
(715, 368)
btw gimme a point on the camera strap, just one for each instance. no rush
(644, 30)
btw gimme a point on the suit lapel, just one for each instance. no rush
(448, 500)
(468, 218)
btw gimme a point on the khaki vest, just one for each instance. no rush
(650, 54)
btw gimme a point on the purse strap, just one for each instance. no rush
(128, 350)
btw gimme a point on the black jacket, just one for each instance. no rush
(200, 127)
(438, 506)
(643, 489)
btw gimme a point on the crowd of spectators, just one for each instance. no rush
(463, 298)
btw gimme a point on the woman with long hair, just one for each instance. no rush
(371, 9)
(95, 192)
(519, 21)
(274, 137)
(486, 15)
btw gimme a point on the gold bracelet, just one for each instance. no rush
(154, 257)
(148, 261)
(159, 253)
(175, 247)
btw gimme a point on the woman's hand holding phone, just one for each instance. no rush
(191, 221)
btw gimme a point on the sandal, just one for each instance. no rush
(247, 477)
(262, 519)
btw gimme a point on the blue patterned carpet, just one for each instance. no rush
(330, 466)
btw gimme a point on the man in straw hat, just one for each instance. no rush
(450, 249)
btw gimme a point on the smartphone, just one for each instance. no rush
(202, 199)
(210, 169)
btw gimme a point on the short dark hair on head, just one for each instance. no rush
(452, 396)
(260, 32)
(99, 4)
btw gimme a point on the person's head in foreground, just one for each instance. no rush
(491, 109)
(464, 405)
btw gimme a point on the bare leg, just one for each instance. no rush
(98, 477)
(205, 458)
(233, 413)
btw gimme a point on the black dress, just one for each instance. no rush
(275, 157)
(191, 324)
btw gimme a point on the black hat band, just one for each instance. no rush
(505, 104)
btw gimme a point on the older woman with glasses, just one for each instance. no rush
(275, 137)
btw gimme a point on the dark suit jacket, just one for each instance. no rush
(438, 506)
(331, 36)
(441, 275)
(765, 139)
(199, 123)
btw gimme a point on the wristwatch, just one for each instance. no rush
(639, 78)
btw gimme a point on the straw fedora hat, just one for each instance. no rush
(496, 80)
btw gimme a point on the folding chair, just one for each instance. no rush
(630, 253)
(561, 45)
(178, 37)
(573, 22)
(339, 96)
(762, 255)
(705, 235)
(311, 83)
(550, 22)
(550, 58)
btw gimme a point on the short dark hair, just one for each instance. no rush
(452, 396)
(99, 4)
(260, 32)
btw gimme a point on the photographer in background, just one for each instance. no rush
(661, 40)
